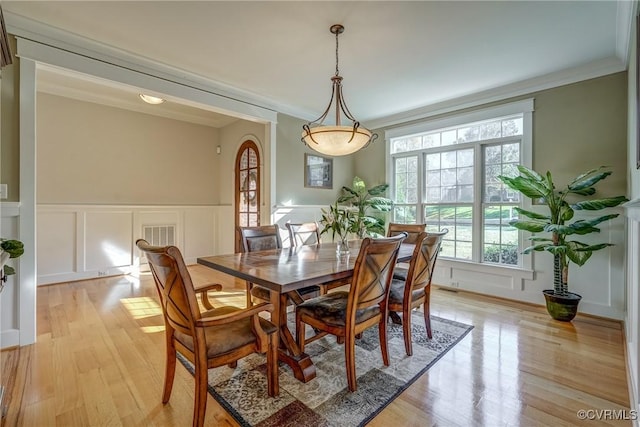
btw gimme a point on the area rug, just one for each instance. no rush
(326, 400)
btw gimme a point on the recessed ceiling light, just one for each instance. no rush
(151, 99)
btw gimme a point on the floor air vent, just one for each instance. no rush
(159, 235)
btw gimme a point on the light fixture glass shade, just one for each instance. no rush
(154, 100)
(334, 140)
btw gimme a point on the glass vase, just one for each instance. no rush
(342, 250)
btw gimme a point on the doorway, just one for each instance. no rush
(247, 188)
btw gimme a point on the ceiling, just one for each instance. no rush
(395, 56)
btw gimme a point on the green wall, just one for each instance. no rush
(290, 151)
(575, 128)
(9, 128)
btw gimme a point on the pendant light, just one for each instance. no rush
(336, 140)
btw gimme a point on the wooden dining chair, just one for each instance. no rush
(209, 339)
(412, 230)
(400, 272)
(307, 233)
(405, 295)
(263, 238)
(346, 314)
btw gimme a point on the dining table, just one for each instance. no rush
(284, 272)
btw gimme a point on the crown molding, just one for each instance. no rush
(39, 32)
(624, 19)
(572, 75)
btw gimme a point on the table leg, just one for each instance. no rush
(289, 352)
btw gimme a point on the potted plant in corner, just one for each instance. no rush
(15, 248)
(559, 222)
(365, 199)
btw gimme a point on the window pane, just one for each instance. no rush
(449, 137)
(458, 241)
(433, 179)
(449, 159)
(465, 193)
(433, 161)
(405, 214)
(500, 239)
(512, 126)
(468, 134)
(511, 153)
(465, 158)
(414, 143)
(432, 140)
(490, 130)
(492, 154)
(433, 194)
(500, 160)
(465, 175)
(448, 177)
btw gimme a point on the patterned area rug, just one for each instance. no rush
(326, 400)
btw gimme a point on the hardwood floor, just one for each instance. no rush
(99, 360)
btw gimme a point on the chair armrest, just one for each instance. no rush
(207, 287)
(232, 317)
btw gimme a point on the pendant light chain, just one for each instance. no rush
(337, 70)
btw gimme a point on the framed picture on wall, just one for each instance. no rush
(318, 171)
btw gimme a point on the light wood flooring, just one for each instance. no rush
(99, 361)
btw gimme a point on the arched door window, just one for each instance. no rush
(247, 187)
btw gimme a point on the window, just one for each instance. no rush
(445, 173)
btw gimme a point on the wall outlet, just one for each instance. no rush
(102, 273)
(4, 192)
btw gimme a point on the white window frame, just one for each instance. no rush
(524, 107)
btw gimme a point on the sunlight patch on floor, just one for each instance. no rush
(142, 307)
(152, 329)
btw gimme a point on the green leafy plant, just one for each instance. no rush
(559, 221)
(337, 221)
(15, 248)
(365, 200)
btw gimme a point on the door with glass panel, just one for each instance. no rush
(247, 188)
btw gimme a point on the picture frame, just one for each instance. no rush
(318, 171)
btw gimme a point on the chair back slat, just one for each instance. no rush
(260, 238)
(412, 230)
(307, 233)
(174, 286)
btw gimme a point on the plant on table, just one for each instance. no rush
(560, 223)
(338, 221)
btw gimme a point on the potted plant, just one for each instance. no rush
(559, 222)
(365, 199)
(15, 248)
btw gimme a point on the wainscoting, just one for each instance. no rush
(9, 298)
(78, 242)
